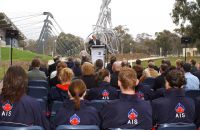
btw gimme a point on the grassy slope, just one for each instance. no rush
(20, 57)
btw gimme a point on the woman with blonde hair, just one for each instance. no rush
(65, 77)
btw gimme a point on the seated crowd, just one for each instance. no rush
(135, 97)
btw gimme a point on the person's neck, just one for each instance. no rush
(72, 98)
(128, 91)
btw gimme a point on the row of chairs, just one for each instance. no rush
(93, 127)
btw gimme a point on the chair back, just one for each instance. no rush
(55, 107)
(123, 129)
(38, 92)
(77, 127)
(21, 128)
(43, 104)
(177, 126)
(38, 83)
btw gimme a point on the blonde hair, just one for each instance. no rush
(66, 74)
(87, 68)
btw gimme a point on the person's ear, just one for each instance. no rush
(167, 86)
(137, 82)
(119, 84)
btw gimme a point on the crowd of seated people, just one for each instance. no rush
(135, 97)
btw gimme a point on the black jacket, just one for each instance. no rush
(26, 111)
(127, 112)
(173, 108)
(87, 115)
(103, 92)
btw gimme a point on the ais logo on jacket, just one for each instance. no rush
(105, 95)
(180, 109)
(132, 116)
(7, 109)
(74, 120)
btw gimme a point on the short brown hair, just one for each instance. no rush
(77, 88)
(176, 78)
(66, 74)
(102, 73)
(87, 68)
(35, 62)
(15, 84)
(127, 77)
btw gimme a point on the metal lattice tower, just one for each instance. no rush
(45, 33)
(103, 28)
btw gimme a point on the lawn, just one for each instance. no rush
(172, 59)
(20, 57)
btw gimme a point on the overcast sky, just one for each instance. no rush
(78, 16)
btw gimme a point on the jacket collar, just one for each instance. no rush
(103, 84)
(128, 97)
(175, 92)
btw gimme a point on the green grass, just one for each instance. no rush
(20, 57)
(172, 59)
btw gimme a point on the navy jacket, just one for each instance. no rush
(174, 107)
(89, 81)
(26, 112)
(197, 106)
(114, 80)
(103, 92)
(127, 112)
(87, 115)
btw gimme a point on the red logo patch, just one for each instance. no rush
(7, 107)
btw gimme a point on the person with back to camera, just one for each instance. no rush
(35, 73)
(103, 91)
(18, 109)
(76, 111)
(88, 75)
(65, 77)
(56, 79)
(129, 111)
(174, 107)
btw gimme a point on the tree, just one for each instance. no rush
(69, 44)
(125, 39)
(169, 42)
(186, 14)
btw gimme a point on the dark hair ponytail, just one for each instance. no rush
(77, 88)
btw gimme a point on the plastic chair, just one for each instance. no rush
(77, 127)
(38, 92)
(38, 83)
(21, 128)
(55, 107)
(99, 104)
(43, 105)
(192, 93)
(177, 126)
